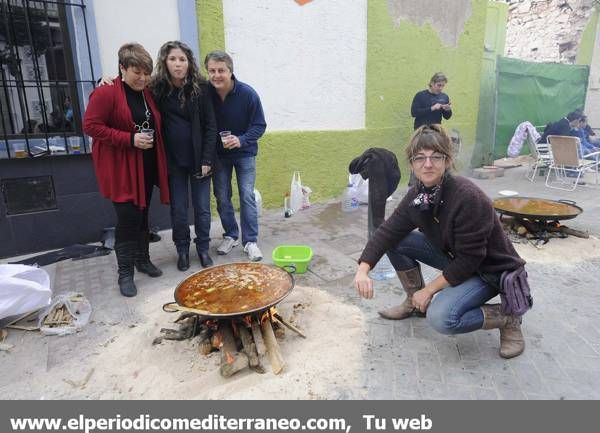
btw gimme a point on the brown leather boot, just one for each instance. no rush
(411, 280)
(512, 342)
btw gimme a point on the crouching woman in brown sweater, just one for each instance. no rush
(448, 223)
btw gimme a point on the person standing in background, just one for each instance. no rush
(430, 105)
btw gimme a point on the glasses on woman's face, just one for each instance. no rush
(437, 159)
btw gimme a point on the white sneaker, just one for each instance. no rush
(253, 252)
(227, 245)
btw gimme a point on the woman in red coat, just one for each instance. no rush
(129, 158)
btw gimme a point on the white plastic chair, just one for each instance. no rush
(542, 157)
(565, 159)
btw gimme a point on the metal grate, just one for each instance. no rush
(39, 103)
(28, 194)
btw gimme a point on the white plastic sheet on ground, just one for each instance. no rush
(23, 289)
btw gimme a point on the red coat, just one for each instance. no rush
(120, 166)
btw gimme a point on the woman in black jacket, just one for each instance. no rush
(190, 135)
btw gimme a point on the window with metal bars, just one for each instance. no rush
(39, 99)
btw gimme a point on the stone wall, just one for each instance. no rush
(546, 30)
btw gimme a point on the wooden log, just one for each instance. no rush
(21, 317)
(521, 230)
(240, 361)
(572, 232)
(289, 325)
(275, 357)
(258, 339)
(278, 330)
(249, 346)
(231, 360)
(227, 342)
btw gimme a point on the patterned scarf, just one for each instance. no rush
(426, 197)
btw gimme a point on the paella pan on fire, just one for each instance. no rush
(234, 288)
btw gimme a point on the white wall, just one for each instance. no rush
(306, 62)
(592, 102)
(149, 22)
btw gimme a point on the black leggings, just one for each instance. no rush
(131, 219)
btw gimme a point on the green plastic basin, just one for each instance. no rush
(298, 256)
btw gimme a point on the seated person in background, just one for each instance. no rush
(587, 146)
(562, 126)
(590, 135)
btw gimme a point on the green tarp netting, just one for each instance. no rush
(537, 92)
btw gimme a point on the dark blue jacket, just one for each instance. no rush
(242, 114)
(421, 108)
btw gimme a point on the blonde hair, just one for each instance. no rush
(430, 137)
(134, 54)
(438, 77)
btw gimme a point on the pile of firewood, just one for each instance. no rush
(535, 230)
(243, 342)
(58, 316)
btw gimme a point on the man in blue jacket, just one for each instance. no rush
(240, 122)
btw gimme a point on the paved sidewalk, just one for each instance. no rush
(403, 359)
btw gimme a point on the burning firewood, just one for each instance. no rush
(205, 347)
(231, 360)
(243, 342)
(258, 339)
(275, 357)
(278, 330)
(249, 347)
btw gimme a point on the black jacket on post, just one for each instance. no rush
(380, 166)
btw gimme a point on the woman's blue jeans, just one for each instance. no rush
(179, 179)
(455, 309)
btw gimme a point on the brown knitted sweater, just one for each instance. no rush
(463, 225)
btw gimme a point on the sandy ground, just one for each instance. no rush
(116, 360)
(326, 365)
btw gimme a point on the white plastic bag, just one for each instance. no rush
(77, 305)
(296, 193)
(23, 289)
(258, 200)
(306, 196)
(361, 186)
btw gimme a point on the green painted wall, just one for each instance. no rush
(400, 61)
(211, 29)
(495, 38)
(585, 51)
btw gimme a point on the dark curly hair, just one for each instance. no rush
(161, 84)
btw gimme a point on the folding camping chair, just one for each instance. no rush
(542, 157)
(566, 159)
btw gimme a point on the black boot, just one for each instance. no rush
(142, 262)
(205, 259)
(126, 252)
(183, 261)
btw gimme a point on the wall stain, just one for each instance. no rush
(446, 17)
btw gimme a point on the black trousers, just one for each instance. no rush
(131, 219)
